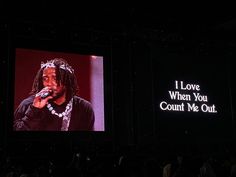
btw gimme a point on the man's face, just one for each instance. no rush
(50, 81)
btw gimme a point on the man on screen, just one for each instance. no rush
(53, 104)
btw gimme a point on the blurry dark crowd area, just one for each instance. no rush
(127, 161)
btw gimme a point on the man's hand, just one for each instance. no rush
(41, 102)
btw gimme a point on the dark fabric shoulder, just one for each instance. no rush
(27, 101)
(82, 101)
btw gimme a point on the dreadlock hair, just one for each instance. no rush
(64, 76)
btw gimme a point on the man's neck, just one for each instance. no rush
(60, 100)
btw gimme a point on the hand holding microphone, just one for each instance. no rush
(45, 94)
(42, 97)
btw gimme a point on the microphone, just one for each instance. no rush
(45, 94)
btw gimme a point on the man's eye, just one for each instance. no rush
(45, 78)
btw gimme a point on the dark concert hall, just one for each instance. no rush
(119, 91)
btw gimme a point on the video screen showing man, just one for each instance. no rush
(53, 104)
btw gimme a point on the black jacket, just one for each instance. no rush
(29, 118)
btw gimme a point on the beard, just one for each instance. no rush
(57, 95)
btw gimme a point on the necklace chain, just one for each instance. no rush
(62, 114)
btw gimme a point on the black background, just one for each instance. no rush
(145, 53)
